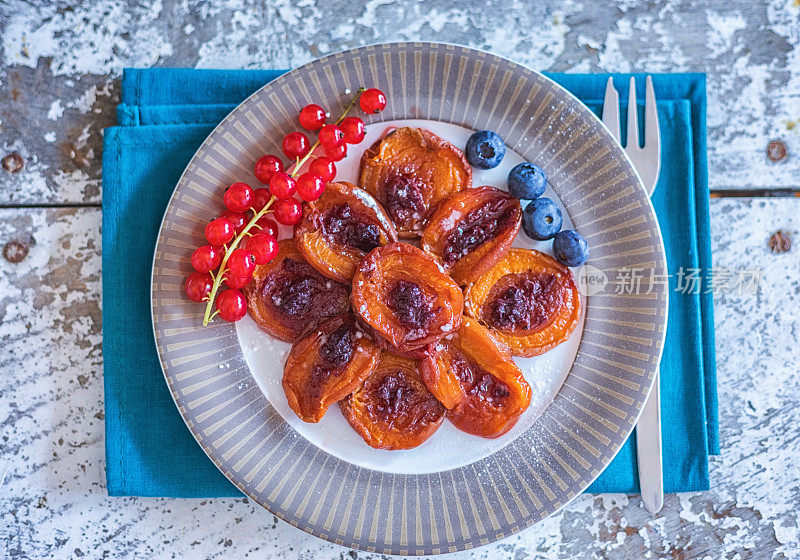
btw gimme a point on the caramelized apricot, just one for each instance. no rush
(529, 299)
(288, 297)
(326, 365)
(410, 171)
(472, 230)
(393, 409)
(405, 297)
(340, 228)
(474, 376)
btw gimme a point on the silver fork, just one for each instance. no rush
(647, 161)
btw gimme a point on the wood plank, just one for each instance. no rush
(62, 63)
(52, 497)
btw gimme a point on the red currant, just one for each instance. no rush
(198, 285)
(260, 198)
(237, 282)
(354, 130)
(312, 117)
(331, 135)
(238, 197)
(266, 167)
(372, 101)
(220, 231)
(206, 258)
(263, 246)
(231, 305)
(336, 153)
(242, 263)
(238, 219)
(323, 167)
(282, 185)
(288, 212)
(268, 226)
(295, 145)
(310, 187)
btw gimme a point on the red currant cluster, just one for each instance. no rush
(258, 234)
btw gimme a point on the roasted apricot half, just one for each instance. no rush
(326, 365)
(410, 171)
(529, 299)
(288, 297)
(393, 409)
(340, 228)
(404, 297)
(474, 376)
(472, 230)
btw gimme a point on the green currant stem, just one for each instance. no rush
(212, 296)
(209, 314)
(300, 162)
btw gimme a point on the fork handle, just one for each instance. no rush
(648, 450)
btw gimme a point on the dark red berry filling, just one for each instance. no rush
(301, 294)
(479, 226)
(414, 309)
(479, 383)
(404, 198)
(344, 226)
(397, 395)
(334, 354)
(340, 345)
(394, 395)
(526, 302)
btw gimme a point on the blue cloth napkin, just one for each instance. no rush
(165, 114)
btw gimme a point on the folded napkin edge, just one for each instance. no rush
(135, 142)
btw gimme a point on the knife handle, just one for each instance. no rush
(648, 450)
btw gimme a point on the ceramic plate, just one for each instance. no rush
(456, 491)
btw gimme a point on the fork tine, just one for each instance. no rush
(611, 110)
(652, 136)
(633, 118)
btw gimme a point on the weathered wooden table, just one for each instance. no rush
(59, 83)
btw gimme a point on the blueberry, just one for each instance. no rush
(485, 149)
(570, 248)
(541, 219)
(527, 181)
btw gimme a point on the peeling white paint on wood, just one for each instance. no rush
(55, 58)
(52, 458)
